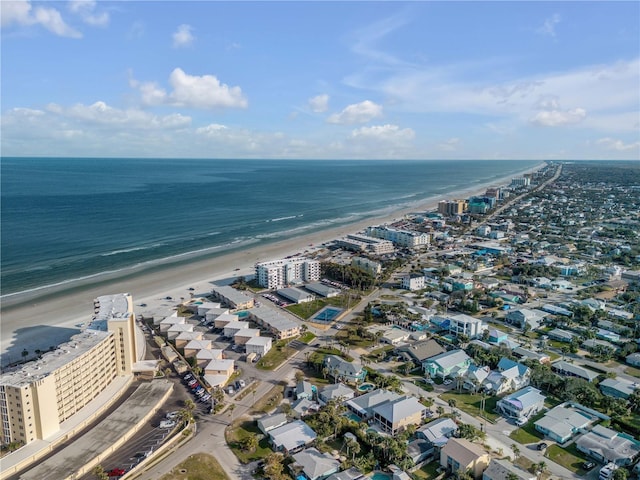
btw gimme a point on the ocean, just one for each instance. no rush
(69, 219)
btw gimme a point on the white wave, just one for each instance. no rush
(283, 218)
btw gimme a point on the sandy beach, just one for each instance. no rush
(48, 318)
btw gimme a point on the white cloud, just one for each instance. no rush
(548, 28)
(387, 133)
(449, 145)
(319, 103)
(183, 36)
(21, 13)
(556, 118)
(86, 9)
(192, 91)
(213, 129)
(357, 113)
(618, 145)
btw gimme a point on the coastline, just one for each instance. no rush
(25, 317)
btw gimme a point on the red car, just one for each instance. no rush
(116, 472)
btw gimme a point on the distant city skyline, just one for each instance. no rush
(321, 80)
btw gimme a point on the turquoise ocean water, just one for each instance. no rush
(65, 219)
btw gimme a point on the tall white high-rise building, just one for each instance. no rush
(280, 273)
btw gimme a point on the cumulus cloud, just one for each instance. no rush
(193, 91)
(387, 133)
(357, 113)
(211, 130)
(183, 36)
(548, 28)
(21, 13)
(319, 103)
(86, 9)
(618, 145)
(557, 118)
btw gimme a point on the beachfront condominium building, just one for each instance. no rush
(365, 243)
(451, 208)
(400, 238)
(280, 273)
(370, 266)
(520, 182)
(38, 396)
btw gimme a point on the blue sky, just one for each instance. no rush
(414, 80)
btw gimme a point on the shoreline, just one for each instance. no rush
(27, 316)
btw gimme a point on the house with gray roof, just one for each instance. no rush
(606, 445)
(521, 404)
(313, 465)
(304, 390)
(503, 469)
(420, 450)
(395, 415)
(438, 432)
(449, 364)
(420, 351)
(303, 407)
(269, 422)
(618, 387)
(539, 357)
(292, 437)
(633, 359)
(350, 474)
(341, 370)
(570, 370)
(561, 335)
(525, 316)
(561, 423)
(337, 391)
(322, 289)
(296, 295)
(364, 404)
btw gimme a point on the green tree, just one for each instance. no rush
(516, 451)
(274, 468)
(99, 472)
(250, 443)
(452, 403)
(620, 474)
(541, 467)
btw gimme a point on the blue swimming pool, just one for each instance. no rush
(242, 314)
(380, 476)
(366, 387)
(327, 314)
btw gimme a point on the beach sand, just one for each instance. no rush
(44, 319)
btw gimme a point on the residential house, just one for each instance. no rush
(192, 348)
(539, 357)
(633, 359)
(420, 450)
(204, 357)
(448, 364)
(413, 282)
(303, 407)
(231, 328)
(420, 351)
(438, 432)
(242, 336)
(561, 335)
(292, 437)
(561, 423)
(269, 422)
(224, 319)
(395, 336)
(466, 325)
(218, 372)
(258, 345)
(186, 337)
(606, 445)
(304, 390)
(509, 376)
(618, 387)
(521, 404)
(497, 336)
(525, 316)
(475, 376)
(395, 415)
(313, 465)
(461, 455)
(337, 391)
(349, 474)
(341, 370)
(503, 469)
(363, 405)
(570, 370)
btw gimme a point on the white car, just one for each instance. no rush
(521, 421)
(429, 381)
(448, 381)
(242, 383)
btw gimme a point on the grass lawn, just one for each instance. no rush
(307, 337)
(307, 310)
(240, 430)
(568, 457)
(350, 336)
(427, 472)
(635, 372)
(197, 467)
(471, 404)
(274, 357)
(528, 433)
(270, 401)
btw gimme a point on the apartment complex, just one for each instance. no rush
(37, 397)
(280, 273)
(370, 266)
(451, 208)
(400, 238)
(365, 243)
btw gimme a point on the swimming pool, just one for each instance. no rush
(327, 314)
(242, 314)
(380, 476)
(366, 387)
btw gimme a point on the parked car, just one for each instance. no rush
(192, 382)
(230, 390)
(429, 381)
(542, 446)
(448, 381)
(588, 465)
(167, 424)
(188, 377)
(521, 421)
(171, 415)
(242, 383)
(116, 472)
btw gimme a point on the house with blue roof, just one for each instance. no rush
(618, 387)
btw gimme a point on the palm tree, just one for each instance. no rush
(541, 467)
(452, 403)
(99, 472)
(515, 450)
(440, 410)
